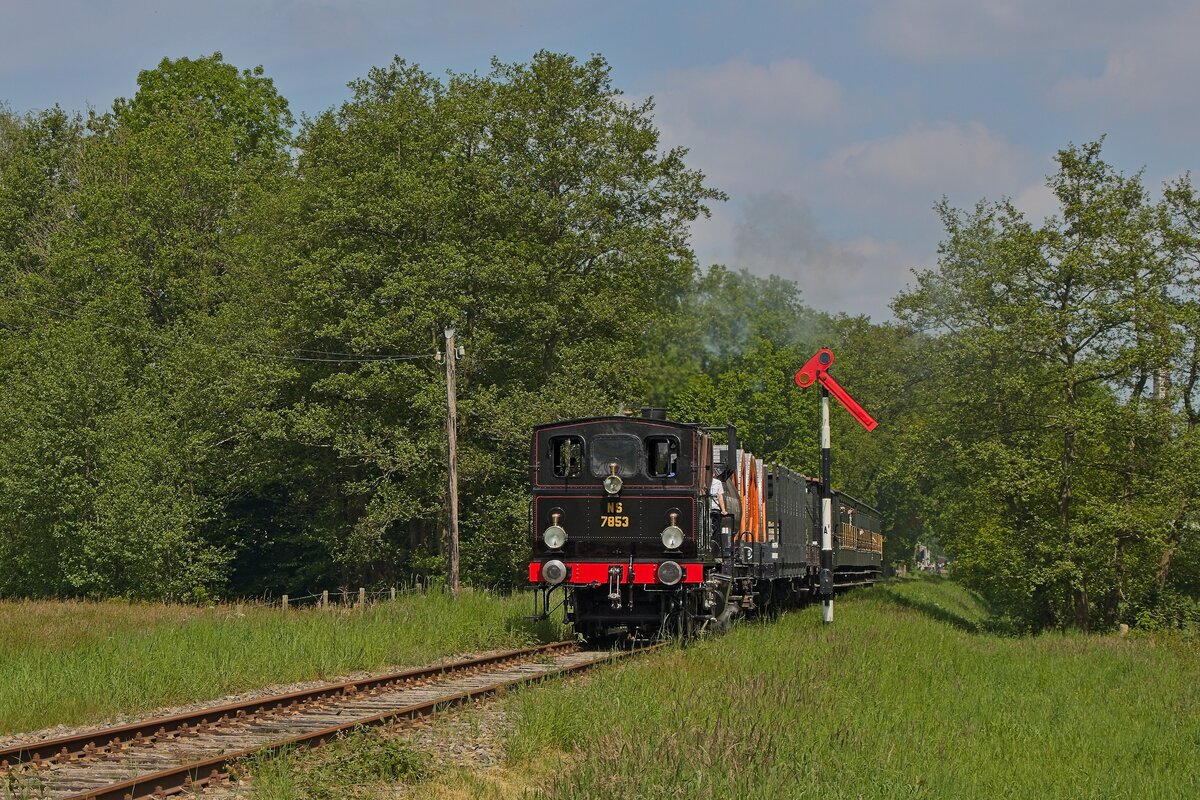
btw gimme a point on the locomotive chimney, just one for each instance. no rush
(654, 413)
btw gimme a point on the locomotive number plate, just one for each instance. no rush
(612, 516)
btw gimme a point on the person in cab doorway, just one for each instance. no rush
(716, 494)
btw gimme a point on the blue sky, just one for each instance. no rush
(833, 126)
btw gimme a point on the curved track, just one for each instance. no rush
(186, 752)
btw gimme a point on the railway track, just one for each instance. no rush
(187, 752)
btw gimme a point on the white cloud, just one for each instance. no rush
(934, 30)
(924, 162)
(1107, 59)
(712, 238)
(877, 193)
(1036, 201)
(774, 231)
(859, 275)
(786, 91)
(1152, 66)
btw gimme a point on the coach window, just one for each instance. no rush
(623, 451)
(567, 453)
(662, 456)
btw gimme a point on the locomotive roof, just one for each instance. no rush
(618, 418)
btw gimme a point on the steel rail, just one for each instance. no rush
(99, 740)
(194, 776)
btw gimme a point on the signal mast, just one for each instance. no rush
(816, 370)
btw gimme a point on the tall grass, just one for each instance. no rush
(943, 599)
(888, 702)
(78, 662)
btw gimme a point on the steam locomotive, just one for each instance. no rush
(624, 535)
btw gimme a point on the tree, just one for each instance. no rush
(533, 209)
(1050, 338)
(128, 366)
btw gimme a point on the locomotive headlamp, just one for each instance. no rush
(554, 536)
(669, 573)
(613, 483)
(672, 535)
(554, 572)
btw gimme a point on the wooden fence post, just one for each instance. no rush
(362, 598)
(393, 594)
(325, 599)
(285, 602)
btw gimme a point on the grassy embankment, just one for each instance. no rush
(79, 662)
(898, 698)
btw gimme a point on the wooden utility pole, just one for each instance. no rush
(452, 454)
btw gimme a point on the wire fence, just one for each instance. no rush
(348, 598)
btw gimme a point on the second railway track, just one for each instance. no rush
(185, 752)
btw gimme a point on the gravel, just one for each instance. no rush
(472, 738)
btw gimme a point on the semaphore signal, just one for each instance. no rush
(816, 370)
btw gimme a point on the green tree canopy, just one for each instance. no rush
(1051, 339)
(125, 383)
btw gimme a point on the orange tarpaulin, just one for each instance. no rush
(752, 501)
(750, 477)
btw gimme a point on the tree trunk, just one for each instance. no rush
(1164, 561)
(1068, 452)
(1126, 533)
(1082, 611)
(1116, 596)
(1064, 485)
(1189, 386)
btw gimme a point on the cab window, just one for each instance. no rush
(620, 450)
(662, 456)
(566, 453)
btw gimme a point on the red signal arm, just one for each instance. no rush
(817, 370)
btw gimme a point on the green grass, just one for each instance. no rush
(77, 662)
(896, 699)
(359, 764)
(942, 599)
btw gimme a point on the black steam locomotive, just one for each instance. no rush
(626, 525)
